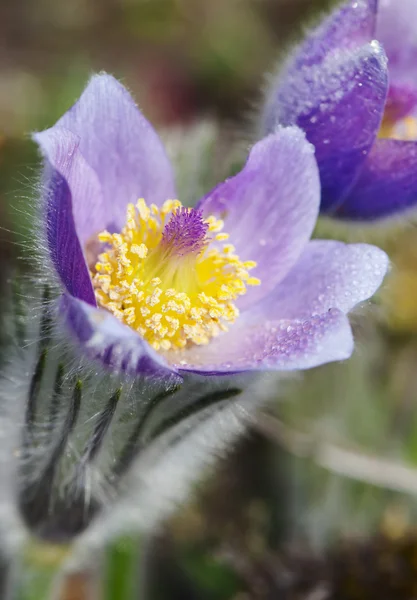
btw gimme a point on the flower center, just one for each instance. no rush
(170, 276)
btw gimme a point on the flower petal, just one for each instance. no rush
(328, 275)
(401, 101)
(63, 244)
(284, 344)
(116, 345)
(121, 146)
(396, 30)
(339, 104)
(270, 207)
(60, 148)
(387, 184)
(348, 26)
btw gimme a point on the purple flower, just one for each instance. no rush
(150, 286)
(359, 114)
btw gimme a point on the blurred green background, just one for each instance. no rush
(181, 59)
(280, 518)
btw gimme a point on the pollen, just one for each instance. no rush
(171, 275)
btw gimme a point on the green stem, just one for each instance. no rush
(38, 573)
(121, 569)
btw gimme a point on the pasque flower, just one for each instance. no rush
(234, 284)
(358, 109)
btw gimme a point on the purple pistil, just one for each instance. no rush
(185, 232)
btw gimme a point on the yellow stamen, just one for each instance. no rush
(172, 299)
(401, 129)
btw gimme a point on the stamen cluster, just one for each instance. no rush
(168, 275)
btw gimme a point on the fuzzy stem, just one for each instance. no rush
(38, 573)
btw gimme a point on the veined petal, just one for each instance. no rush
(282, 344)
(339, 104)
(63, 244)
(348, 26)
(387, 184)
(60, 148)
(270, 207)
(328, 275)
(117, 346)
(121, 146)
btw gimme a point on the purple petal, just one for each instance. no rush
(283, 345)
(349, 26)
(396, 29)
(122, 148)
(339, 104)
(63, 244)
(115, 345)
(270, 207)
(401, 101)
(60, 148)
(387, 184)
(328, 275)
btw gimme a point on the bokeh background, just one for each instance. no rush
(183, 60)
(318, 500)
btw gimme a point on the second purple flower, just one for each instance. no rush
(351, 86)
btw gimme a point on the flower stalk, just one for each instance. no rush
(85, 441)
